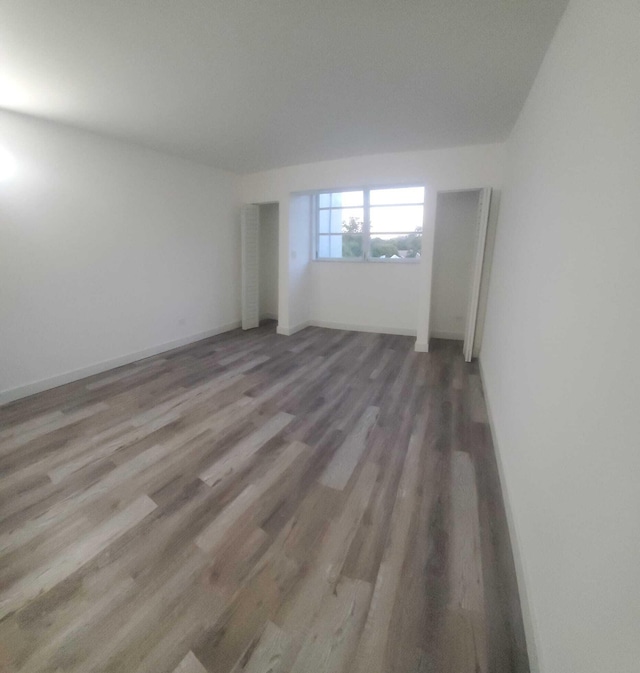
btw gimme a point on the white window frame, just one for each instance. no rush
(366, 230)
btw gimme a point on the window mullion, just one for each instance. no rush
(366, 232)
(316, 212)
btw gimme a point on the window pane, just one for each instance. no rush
(379, 197)
(347, 220)
(347, 199)
(324, 200)
(324, 219)
(389, 219)
(391, 246)
(352, 245)
(346, 246)
(324, 246)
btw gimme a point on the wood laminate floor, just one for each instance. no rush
(325, 502)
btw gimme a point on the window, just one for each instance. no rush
(370, 224)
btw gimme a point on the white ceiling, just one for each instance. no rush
(254, 84)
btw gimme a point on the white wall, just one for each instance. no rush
(108, 251)
(269, 260)
(453, 259)
(298, 278)
(377, 296)
(560, 353)
(372, 299)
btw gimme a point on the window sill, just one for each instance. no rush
(410, 261)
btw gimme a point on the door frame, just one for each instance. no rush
(482, 223)
(250, 265)
(424, 310)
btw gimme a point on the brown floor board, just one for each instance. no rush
(328, 501)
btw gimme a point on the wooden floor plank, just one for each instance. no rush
(466, 566)
(190, 664)
(84, 620)
(229, 520)
(333, 637)
(245, 450)
(371, 655)
(466, 637)
(76, 556)
(269, 653)
(65, 508)
(341, 467)
(298, 615)
(55, 423)
(252, 502)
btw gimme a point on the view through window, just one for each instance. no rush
(370, 224)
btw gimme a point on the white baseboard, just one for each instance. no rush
(81, 373)
(530, 629)
(289, 331)
(363, 328)
(452, 336)
(423, 347)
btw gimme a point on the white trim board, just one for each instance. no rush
(290, 331)
(452, 336)
(363, 328)
(250, 266)
(474, 298)
(12, 394)
(422, 347)
(530, 628)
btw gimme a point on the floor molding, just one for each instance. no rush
(290, 331)
(527, 615)
(363, 328)
(452, 336)
(13, 394)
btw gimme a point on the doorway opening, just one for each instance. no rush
(269, 214)
(260, 250)
(458, 265)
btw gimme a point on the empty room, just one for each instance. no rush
(317, 336)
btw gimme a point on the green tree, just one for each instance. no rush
(352, 237)
(352, 233)
(353, 226)
(382, 248)
(408, 244)
(412, 243)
